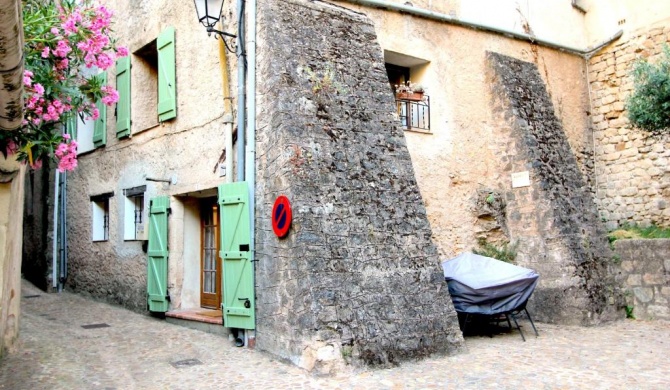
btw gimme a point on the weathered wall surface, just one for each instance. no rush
(554, 20)
(11, 222)
(473, 149)
(645, 272)
(633, 174)
(184, 150)
(358, 277)
(459, 157)
(555, 219)
(38, 227)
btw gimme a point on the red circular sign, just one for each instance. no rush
(281, 216)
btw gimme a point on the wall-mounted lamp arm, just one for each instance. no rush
(222, 34)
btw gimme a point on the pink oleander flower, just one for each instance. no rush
(39, 89)
(121, 51)
(95, 114)
(12, 147)
(45, 52)
(89, 60)
(111, 95)
(54, 31)
(27, 81)
(62, 64)
(67, 155)
(62, 48)
(104, 61)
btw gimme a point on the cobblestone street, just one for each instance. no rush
(139, 352)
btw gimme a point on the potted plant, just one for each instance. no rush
(410, 91)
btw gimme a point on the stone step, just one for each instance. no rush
(204, 320)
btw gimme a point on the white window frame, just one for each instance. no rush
(135, 214)
(100, 219)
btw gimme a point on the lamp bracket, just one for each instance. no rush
(222, 35)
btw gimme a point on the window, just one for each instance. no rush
(134, 217)
(154, 86)
(413, 107)
(100, 216)
(90, 134)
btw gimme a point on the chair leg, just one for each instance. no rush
(508, 323)
(531, 322)
(518, 327)
(465, 323)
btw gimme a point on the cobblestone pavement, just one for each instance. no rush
(136, 352)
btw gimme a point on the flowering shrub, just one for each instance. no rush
(61, 42)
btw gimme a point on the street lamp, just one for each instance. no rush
(209, 13)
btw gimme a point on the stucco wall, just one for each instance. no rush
(604, 17)
(554, 20)
(633, 174)
(184, 151)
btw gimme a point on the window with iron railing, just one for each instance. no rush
(414, 111)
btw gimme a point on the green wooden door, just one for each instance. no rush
(238, 274)
(157, 262)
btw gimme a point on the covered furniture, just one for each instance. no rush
(483, 286)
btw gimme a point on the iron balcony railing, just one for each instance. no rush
(414, 114)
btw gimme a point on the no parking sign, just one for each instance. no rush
(281, 216)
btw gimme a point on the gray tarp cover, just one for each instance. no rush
(483, 285)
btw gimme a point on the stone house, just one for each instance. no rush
(382, 187)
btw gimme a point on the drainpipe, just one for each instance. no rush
(251, 147)
(63, 235)
(384, 4)
(241, 100)
(54, 254)
(227, 109)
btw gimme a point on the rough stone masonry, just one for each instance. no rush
(556, 220)
(358, 278)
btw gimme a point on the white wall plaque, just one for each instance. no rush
(520, 179)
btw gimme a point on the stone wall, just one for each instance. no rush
(555, 218)
(358, 278)
(645, 273)
(632, 170)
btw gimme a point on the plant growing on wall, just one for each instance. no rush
(506, 252)
(649, 104)
(62, 40)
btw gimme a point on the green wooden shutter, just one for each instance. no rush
(100, 125)
(71, 125)
(157, 251)
(167, 83)
(238, 274)
(123, 105)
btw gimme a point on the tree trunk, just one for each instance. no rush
(11, 65)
